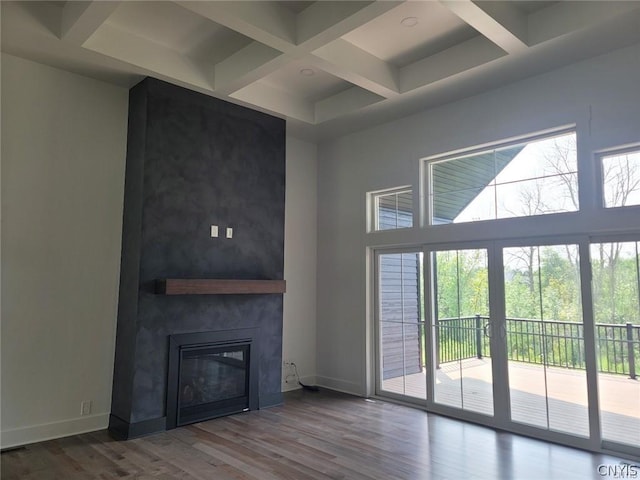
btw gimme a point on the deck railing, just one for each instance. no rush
(548, 342)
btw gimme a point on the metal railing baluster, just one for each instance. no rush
(630, 354)
(463, 338)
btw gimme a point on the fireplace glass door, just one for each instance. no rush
(213, 381)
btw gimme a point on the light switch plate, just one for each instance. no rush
(214, 231)
(229, 232)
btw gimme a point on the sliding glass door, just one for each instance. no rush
(616, 307)
(537, 338)
(545, 337)
(400, 326)
(462, 375)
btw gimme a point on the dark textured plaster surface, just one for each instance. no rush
(204, 161)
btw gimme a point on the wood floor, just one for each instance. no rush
(322, 435)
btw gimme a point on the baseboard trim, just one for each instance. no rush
(16, 437)
(290, 387)
(340, 385)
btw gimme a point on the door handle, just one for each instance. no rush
(487, 330)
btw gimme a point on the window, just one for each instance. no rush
(621, 178)
(393, 209)
(534, 177)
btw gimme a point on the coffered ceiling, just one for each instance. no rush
(328, 67)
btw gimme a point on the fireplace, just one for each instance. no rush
(194, 161)
(211, 374)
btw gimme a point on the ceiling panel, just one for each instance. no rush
(437, 29)
(294, 5)
(530, 6)
(309, 87)
(178, 29)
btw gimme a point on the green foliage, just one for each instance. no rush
(542, 284)
(615, 284)
(462, 283)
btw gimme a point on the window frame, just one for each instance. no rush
(373, 207)
(428, 162)
(599, 170)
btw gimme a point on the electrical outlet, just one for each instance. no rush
(288, 371)
(85, 407)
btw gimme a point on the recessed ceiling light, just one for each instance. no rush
(409, 21)
(307, 72)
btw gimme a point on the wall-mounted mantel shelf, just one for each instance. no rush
(207, 286)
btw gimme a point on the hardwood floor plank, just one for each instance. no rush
(284, 445)
(281, 459)
(314, 436)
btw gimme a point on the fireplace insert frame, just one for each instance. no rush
(219, 338)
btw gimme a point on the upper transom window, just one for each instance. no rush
(393, 209)
(621, 178)
(534, 177)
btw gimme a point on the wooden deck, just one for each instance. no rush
(567, 396)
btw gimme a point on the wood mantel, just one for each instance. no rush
(206, 286)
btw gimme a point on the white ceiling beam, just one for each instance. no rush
(266, 22)
(276, 100)
(503, 23)
(346, 61)
(314, 25)
(247, 66)
(80, 20)
(325, 22)
(566, 17)
(343, 103)
(510, 17)
(155, 59)
(457, 59)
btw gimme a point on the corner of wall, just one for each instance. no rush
(300, 264)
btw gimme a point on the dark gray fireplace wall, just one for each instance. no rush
(194, 161)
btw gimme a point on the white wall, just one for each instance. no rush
(601, 96)
(63, 157)
(299, 335)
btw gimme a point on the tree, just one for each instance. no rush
(621, 180)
